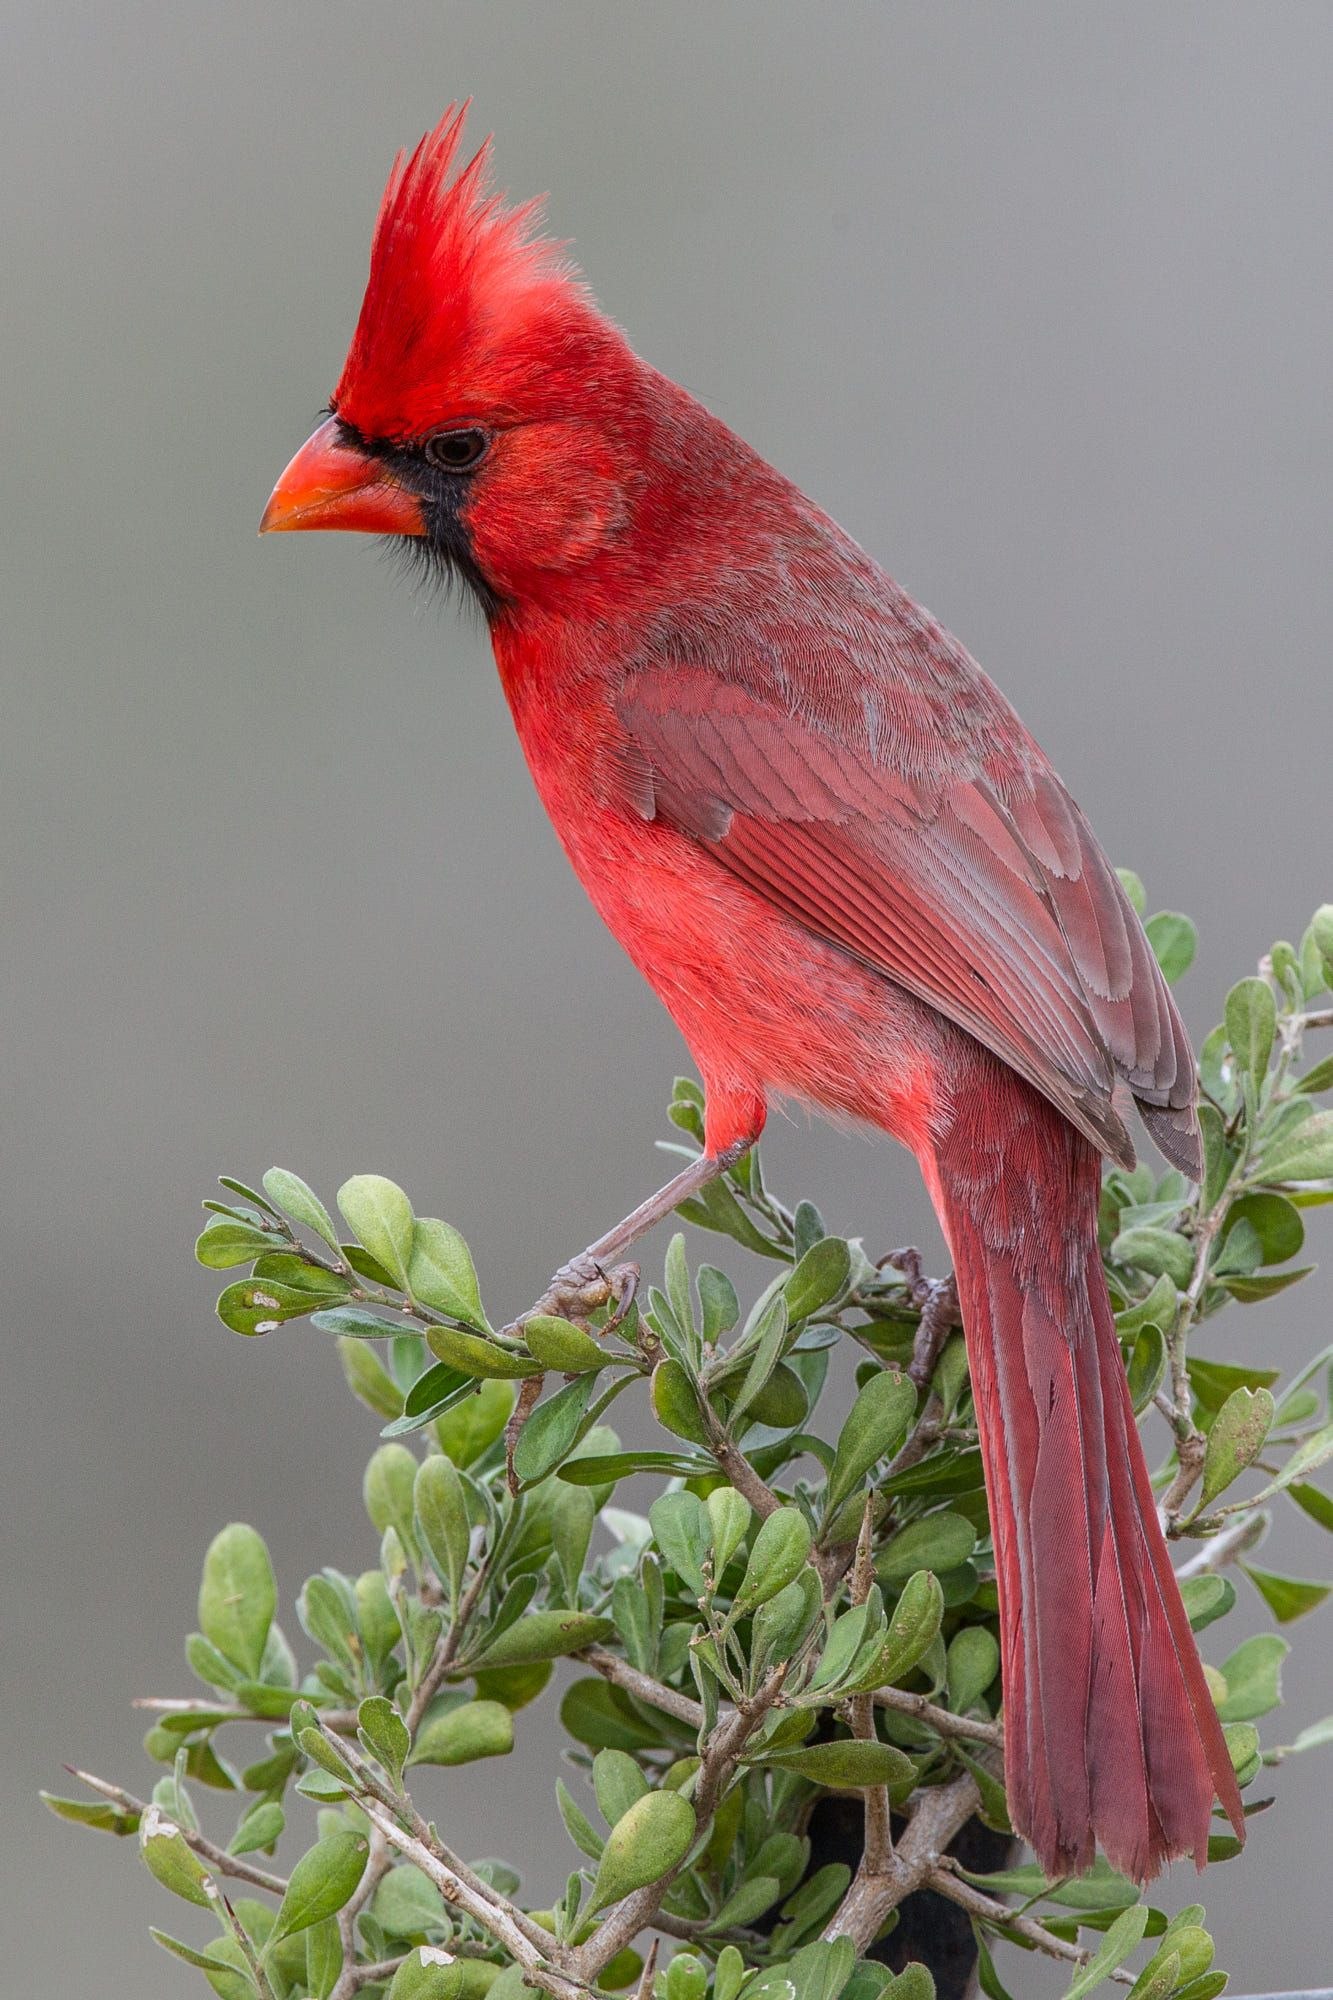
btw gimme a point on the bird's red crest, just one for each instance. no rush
(456, 278)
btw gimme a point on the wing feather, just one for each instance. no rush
(984, 893)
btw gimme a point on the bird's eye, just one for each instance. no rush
(457, 451)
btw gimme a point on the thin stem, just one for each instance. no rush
(942, 1720)
(655, 1693)
(543, 1965)
(217, 1857)
(870, 1899)
(946, 1883)
(878, 1836)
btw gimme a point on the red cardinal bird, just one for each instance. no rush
(836, 854)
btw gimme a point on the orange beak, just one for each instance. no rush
(330, 484)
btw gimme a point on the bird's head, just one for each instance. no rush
(477, 408)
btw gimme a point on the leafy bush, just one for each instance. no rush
(796, 1617)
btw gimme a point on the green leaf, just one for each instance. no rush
(748, 1902)
(1253, 1675)
(1317, 1079)
(441, 1512)
(598, 1715)
(914, 1982)
(821, 1277)
(847, 1763)
(237, 1597)
(1120, 1940)
(323, 1880)
(1251, 1023)
(384, 1734)
(356, 1323)
(1300, 1153)
(1145, 1365)
(1275, 1222)
(166, 1855)
(618, 1783)
(369, 1380)
(577, 1824)
(552, 1430)
(1312, 1738)
(429, 1973)
(260, 1827)
(289, 1192)
(913, 1626)
(876, 1427)
(1287, 1597)
(972, 1662)
(465, 1734)
(1235, 1439)
(1213, 1381)
(1160, 1252)
(1313, 1451)
(387, 1489)
(545, 1635)
(473, 1425)
(650, 1839)
(226, 1242)
(1135, 894)
(778, 1553)
(1312, 1500)
(1174, 941)
(675, 1402)
(936, 1542)
(1158, 1980)
(559, 1344)
(224, 1964)
(780, 1402)
(485, 1360)
(1264, 1284)
(729, 1518)
(441, 1273)
(379, 1215)
(608, 1467)
(781, 1623)
(683, 1532)
(323, 1958)
(99, 1814)
(1206, 1598)
(258, 1305)
(1157, 1309)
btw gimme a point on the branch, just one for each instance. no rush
(947, 1883)
(217, 1857)
(721, 1755)
(878, 1838)
(655, 1693)
(871, 1897)
(942, 1720)
(540, 1967)
(1228, 1546)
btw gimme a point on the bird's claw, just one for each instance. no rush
(582, 1287)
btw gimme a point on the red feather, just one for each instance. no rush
(852, 876)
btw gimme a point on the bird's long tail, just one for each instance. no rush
(1111, 1735)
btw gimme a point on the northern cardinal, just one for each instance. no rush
(843, 864)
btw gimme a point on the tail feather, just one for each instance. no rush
(1111, 1736)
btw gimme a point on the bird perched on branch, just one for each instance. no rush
(847, 869)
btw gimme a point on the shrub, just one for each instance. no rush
(798, 1619)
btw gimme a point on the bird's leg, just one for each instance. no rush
(596, 1276)
(936, 1299)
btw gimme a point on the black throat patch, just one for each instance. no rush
(444, 553)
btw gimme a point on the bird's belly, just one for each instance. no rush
(766, 1007)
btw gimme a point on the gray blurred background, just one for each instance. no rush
(1034, 298)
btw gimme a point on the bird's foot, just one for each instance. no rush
(936, 1299)
(582, 1287)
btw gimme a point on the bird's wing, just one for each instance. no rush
(992, 903)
